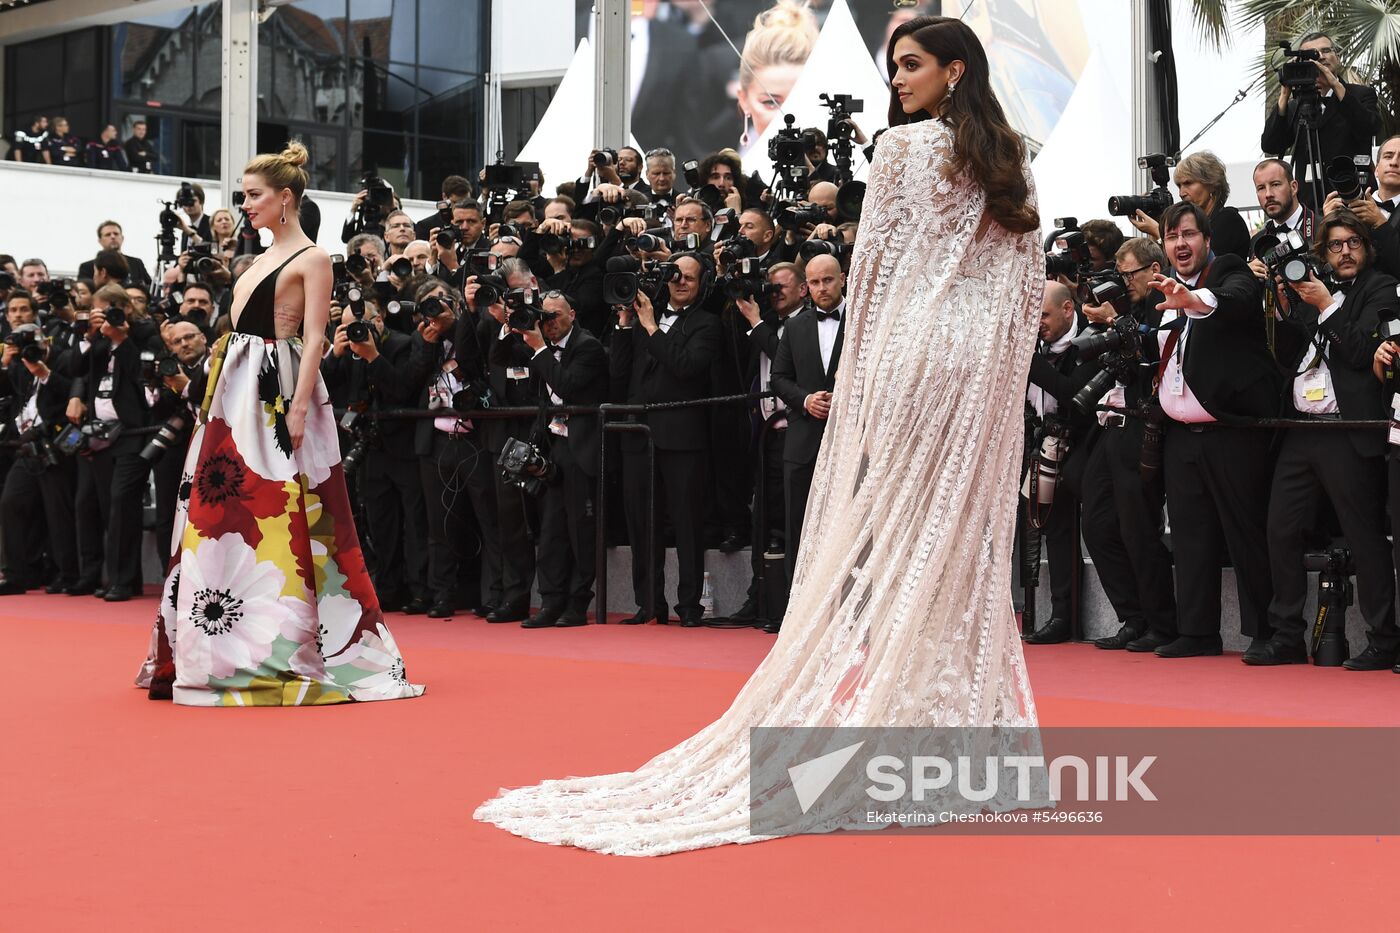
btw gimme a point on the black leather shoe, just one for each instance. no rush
(1191, 646)
(640, 617)
(690, 618)
(1372, 659)
(570, 618)
(1276, 651)
(416, 606)
(1119, 641)
(117, 594)
(1149, 642)
(510, 614)
(161, 690)
(545, 618)
(81, 588)
(9, 588)
(99, 592)
(1051, 633)
(774, 627)
(748, 612)
(733, 542)
(484, 610)
(441, 610)
(54, 588)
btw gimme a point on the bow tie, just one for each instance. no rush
(827, 315)
(1276, 227)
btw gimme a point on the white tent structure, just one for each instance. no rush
(840, 63)
(559, 143)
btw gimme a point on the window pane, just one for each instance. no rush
(448, 104)
(39, 73)
(80, 66)
(380, 96)
(300, 72)
(201, 149)
(209, 64)
(450, 35)
(438, 158)
(156, 62)
(383, 30)
(383, 153)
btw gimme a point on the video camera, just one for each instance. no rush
(788, 154)
(53, 294)
(840, 131)
(377, 205)
(627, 277)
(1072, 258)
(1351, 176)
(1299, 75)
(1156, 201)
(525, 466)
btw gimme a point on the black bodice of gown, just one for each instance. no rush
(256, 317)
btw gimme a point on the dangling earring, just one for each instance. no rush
(744, 136)
(284, 213)
(952, 86)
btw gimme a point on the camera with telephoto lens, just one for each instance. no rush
(167, 307)
(449, 236)
(378, 202)
(28, 340)
(1154, 202)
(1072, 257)
(1351, 176)
(356, 264)
(356, 331)
(834, 247)
(81, 323)
(736, 248)
(90, 436)
(115, 316)
(155, 367)
(1299, 75)
(202, 259)
(604, 157)
(746, 279)
(1038, 488)
(482, 262)
(54, 294)
(490, 289)
(401, 268)
(524, 466)
(35, 445)
(1286, 255)
(627, 277)
(795, 216)
(523, 309)
(648, 242)
(1118, 348)
(168, 434)
(185, 196)
(364, 434)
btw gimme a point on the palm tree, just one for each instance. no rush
(1366, 33)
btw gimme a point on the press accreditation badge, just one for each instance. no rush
(1177, 386)
(1395, 421)
(517, 372)
(1314, 384)
(104, 387)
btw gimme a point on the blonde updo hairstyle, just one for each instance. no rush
(283, 169)
(781, 35)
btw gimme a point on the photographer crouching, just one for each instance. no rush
(572, 368)
(37, 501)
(175, 382)
(1339, 313)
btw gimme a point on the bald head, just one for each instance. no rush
(1056, 312)
(1057, 293)
(825, 281)
(186, 341)
(824, 193)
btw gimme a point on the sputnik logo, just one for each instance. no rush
(811, 778)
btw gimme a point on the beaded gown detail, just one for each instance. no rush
(267, 601)
(900, 612)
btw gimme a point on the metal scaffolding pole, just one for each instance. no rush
(238, 137)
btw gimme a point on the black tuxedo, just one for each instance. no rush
(136, 273)
(1347, 466)
(1347, 128)
(1386, 239)
(1218, 474)
(513, 385)
(1121, 518)
(669, 366)
(36, 506)
(763, 341)
(797, 373)
(167, 471)
(578, 375)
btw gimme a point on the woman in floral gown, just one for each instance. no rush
(267, 601)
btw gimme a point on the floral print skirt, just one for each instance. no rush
(267, 601)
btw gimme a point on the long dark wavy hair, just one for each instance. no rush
(983, 141)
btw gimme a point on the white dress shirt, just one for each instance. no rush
(1044, 402)
(769, 407)
(826, 334)
(1178, 401)
(1315, 395)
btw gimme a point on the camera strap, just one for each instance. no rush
(1175, 336)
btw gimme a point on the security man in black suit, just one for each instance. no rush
(1332, 380)
(1214, 372)
(1122, 516)
(1380, 210)
(1056, 373)
(665, 355)
(514, 386)
(804, 373)
(1347, 126)
(446, 367)
(113, 392)
(37, 502)
(373, 375)
(572, 368)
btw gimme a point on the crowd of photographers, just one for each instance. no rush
(643, 282)
(1166, 360)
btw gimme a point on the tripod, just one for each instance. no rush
(1306, 118)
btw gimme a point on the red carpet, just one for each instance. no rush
(123, 814)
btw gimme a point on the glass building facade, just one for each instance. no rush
(394, 87)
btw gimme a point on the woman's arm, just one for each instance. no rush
(316, 290)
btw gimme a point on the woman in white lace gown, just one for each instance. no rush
(900, 611)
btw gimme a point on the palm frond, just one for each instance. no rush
(1212, 21)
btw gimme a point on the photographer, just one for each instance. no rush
(452, 243)
(195, 226)
(1056, 374)
(572, 367)
(724, 172)
(373, 204)
(1332, 380)
(1215, 371)
(788, 294)
(803, 375)
(372, 375)
(1378, 210)
(571, 259)
(198, 307)
(665, 355)
(37, 501)
(694, 217)
(455, 189)
(399, 232)
(661, 177)
(448, 372)
(1201, 179)
(175, 399)
(512, 386)
(1350, 117)
(112, 394)
(110, 237)
(1122, 515)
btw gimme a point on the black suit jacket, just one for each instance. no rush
(380, 383)
(16, 381)
(425, 362)
(797, 373)
(1227, 361)
(136, 273)
(507, 358)
(1062, 377)
(1386, 239)
(579, 377)
(670, 366)
(1351, 339)
(1347, 128)
(128, 394)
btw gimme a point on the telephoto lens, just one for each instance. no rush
(401, 268)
